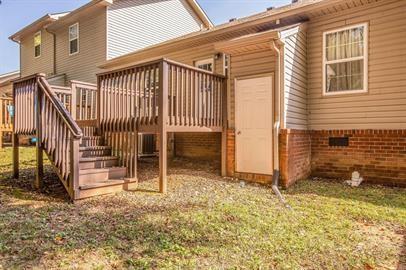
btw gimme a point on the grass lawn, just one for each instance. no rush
(204, 222)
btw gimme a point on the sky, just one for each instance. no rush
(16, 14)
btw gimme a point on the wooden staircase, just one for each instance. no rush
(84, 164)
(99, 172)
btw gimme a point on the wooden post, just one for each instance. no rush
(39, 171)
(163, 116)
(74, 168)
(73, 100)
(134, 174)
(1, 138)
(16, 159)
(224, 132)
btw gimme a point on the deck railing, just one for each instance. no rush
(131, 96)
(84, 95)
(6, 125)
(39, 111)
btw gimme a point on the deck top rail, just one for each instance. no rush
(130, 97)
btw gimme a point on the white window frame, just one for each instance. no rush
(40, 44)
(364, 57)
(205, 62)
(69, 39)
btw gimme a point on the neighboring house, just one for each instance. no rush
(71, 46)
(6, 84)
(317, 87)
(334, 77)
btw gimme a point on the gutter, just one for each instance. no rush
(278, 94)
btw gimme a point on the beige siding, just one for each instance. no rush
(92, 48)
(42, 64)
(252, 64)
(133, 25)
(384, 106)
(295, 77)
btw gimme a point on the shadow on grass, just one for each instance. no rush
(367, 193)
(22, 188)
(119, 228)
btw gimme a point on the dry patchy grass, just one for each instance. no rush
(205, 222)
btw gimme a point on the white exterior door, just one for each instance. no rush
(253, 120)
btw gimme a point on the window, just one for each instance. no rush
(37, 44)
(345, 60)
(206, 64)
(74, 39)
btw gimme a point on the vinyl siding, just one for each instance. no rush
(384, 106)
(43, 64)
(295, 79)
(133, 25)
(92, 48)
(252, 64)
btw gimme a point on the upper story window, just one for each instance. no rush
(345, 60)
(74, 38)
(206, 64)
(37, 44)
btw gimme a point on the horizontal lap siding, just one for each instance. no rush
(133, 25)
(92, 48)
(384, 106)
(295, 62)
(43, 64)
(253, 63)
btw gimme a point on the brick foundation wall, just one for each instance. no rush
(379, 155)
(198, 145)
(230, 153)
(294, 155)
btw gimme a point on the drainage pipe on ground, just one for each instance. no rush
(277, 110)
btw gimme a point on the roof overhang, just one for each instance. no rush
(6, 78)
(248, 43)
(75, 15)
(200, 13)
(36, 26)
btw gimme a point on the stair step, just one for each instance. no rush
(92, 151)
(91, 141)
(97, 162)
(106, 187)
(90, 176)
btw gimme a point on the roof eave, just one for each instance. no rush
(38, 24)
(72, 16)
(197, 8)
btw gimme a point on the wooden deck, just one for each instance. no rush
(90, 133)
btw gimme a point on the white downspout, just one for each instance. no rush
(277, 124)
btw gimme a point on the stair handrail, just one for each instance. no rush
(62, 111)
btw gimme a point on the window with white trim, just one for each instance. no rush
(74, 39)
(37, 44)
(345, 60)
(206, 64)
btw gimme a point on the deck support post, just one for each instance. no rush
(74, 168)
(16, 158)
(39, 170)
(134, 168)
(1, 139)
(224, 119)
(162, 123)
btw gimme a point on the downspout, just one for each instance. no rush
(54, 56)
(277, 117)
